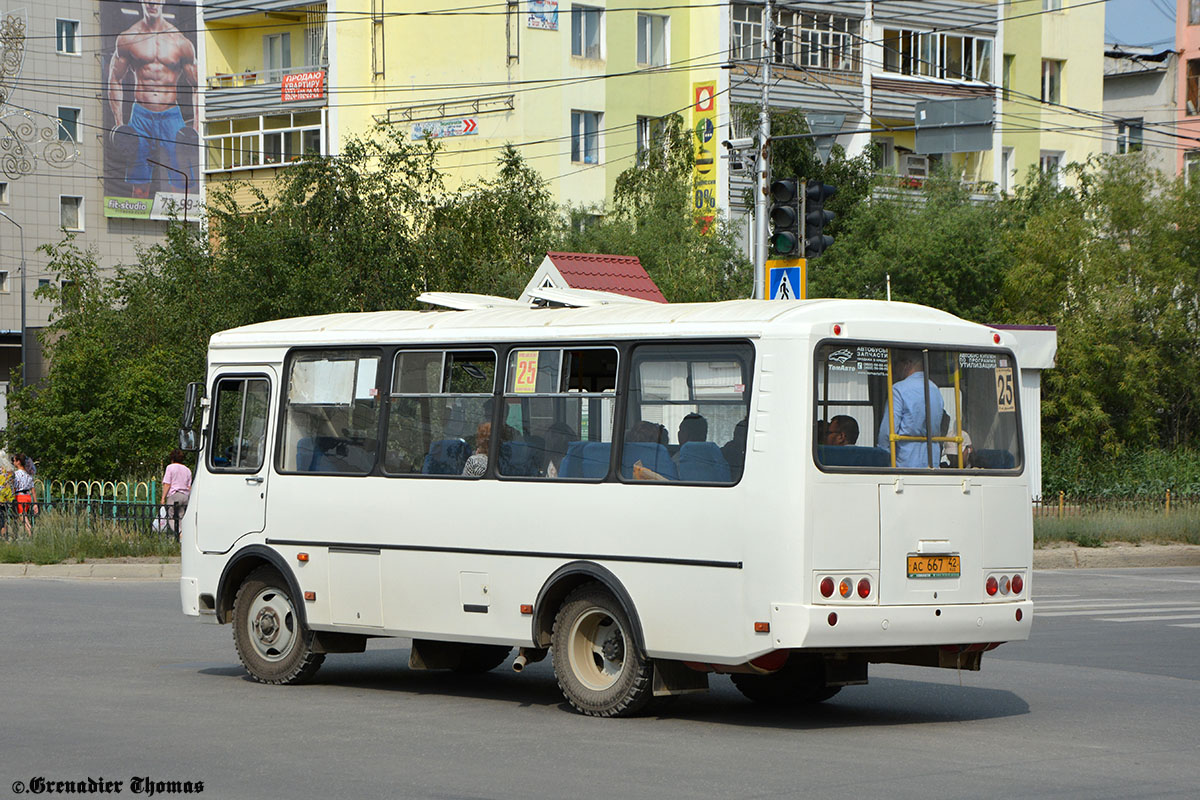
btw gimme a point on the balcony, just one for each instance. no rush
(259, 91)
(224, 9)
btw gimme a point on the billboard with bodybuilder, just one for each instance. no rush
(151, 107)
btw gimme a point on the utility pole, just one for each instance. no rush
(763, 180)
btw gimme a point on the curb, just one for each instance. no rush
(124, 572)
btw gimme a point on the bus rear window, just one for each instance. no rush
(884, 407)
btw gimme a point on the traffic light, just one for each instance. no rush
(785, 217)
(816, 241)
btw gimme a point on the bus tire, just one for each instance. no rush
(272, 643)
(797, 683)
(478, 658)
(596, 660)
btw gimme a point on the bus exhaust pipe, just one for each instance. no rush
(528, 655)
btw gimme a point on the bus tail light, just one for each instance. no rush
(864, 588)
(846, 587)
(1018, 583)
(992, 586)
(827, 587)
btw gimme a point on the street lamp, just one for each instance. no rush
(24, 359)
(185, 184)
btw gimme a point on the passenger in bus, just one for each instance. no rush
(693, 428)
(950, 453)
(646, 431)
(842, 431)
(477, 462)
(735, 449)
(909, 390)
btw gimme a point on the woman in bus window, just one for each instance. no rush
(477, 463)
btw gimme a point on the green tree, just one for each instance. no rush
(653, 218)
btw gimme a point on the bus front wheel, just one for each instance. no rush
(596, 661)
(273, 644)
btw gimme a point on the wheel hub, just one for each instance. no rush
(614, 648)
(266, 625)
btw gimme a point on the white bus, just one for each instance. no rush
(649, 493)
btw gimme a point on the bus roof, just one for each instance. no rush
(729, 318)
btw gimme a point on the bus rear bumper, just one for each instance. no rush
(795, 625)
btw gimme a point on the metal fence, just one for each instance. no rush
(133, 507)
(1063, 505)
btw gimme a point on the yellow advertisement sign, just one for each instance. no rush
(525, 380)
(704, 173)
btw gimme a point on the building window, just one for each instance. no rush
(1193, 87)
(585, 137)
(1194, 12)
(649, 134)
(66, 36)
(43, 282)
(885, 153)
(1129, 135)
(4, 199)
(806, 40)
(652, 40)
(1191, 166)
(70, 213)
(1006, 79)
(1051, 5)
(277, 55)
(937, 55)
(4, 284)
(1006, 170)
(1051, 81)
(585, 31)
(746, 37)
(1051, 164)
(271, 140)
(68, 124)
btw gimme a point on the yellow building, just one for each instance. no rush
(579, 88)
(1053, 63)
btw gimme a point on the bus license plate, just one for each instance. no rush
(927, 566)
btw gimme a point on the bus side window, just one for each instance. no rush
(440, 415)
(688, 413)
(240, 424)
(331, 412)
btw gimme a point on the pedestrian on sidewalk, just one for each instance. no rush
(7, 493)
(26, 493)
(177, 489)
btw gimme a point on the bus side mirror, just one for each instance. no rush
(189, 440)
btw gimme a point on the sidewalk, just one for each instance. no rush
(1056, 557)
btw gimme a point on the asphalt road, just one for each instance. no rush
(109, 680)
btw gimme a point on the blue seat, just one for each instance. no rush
(994, 459)
(652, 455)
(445, 457)
(516, 459)
(853, 456)
(586, 460)
(702, 461)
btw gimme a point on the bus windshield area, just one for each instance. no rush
(885, 407)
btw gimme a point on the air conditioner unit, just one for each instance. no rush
(914, 166)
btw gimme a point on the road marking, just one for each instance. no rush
(1192, 625)
(1094, 611)
(1106, 603)
(1149, 619)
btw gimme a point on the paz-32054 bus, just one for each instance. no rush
(785, 492)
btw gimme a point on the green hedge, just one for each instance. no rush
(1132, 474)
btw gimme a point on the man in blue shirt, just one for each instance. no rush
(908, 402)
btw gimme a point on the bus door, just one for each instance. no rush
(233, 494)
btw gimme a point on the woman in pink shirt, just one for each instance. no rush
(177, 487)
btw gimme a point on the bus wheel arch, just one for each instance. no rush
(272, 641)
(239, 567)
(567, 579)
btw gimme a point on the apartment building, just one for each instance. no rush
(1053, 94)
(73, 162)
(1141, 105)
(579, 88)
(1187, 43)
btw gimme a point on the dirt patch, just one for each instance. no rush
(1063, 555)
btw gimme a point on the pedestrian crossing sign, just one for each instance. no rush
(785, 279)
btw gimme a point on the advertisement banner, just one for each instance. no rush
(150, 96)
(543, 14)
(704, 174)
(303, 86)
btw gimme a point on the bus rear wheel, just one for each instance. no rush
(273, 644)
(596, 661)
(797, 683)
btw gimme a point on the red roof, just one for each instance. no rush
(605, 273)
